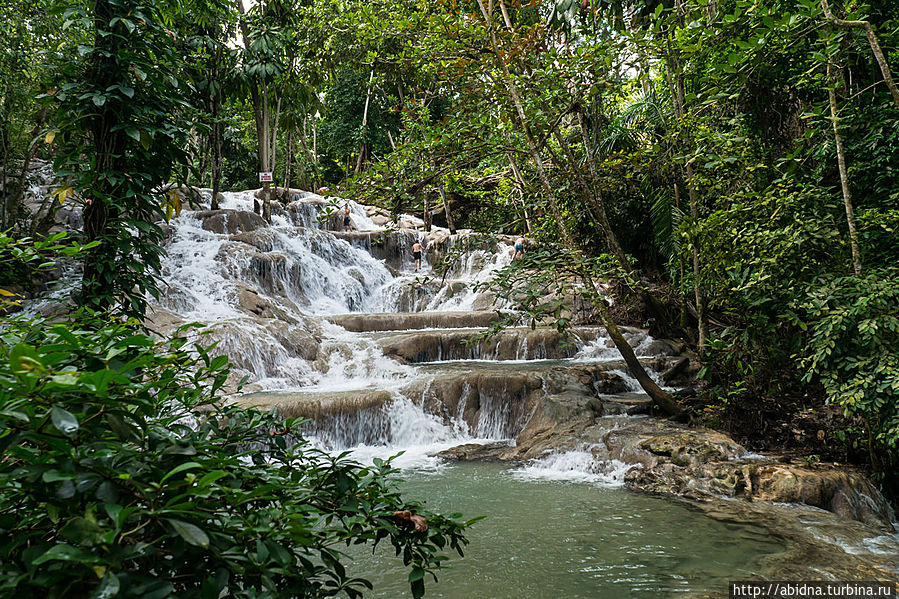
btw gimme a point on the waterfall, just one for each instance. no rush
(267, 291)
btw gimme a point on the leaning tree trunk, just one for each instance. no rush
(662, 398)
(594, 200)
(844, 177)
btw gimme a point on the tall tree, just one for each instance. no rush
(119, 142)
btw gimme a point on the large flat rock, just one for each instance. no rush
(508, 344)
(414, 320)
(315, 405)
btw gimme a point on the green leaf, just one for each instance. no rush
(416, 574)
(181, 468)
(65, 553)
(64, 421)
(418, 588)
(109, 587)
(194, 535)
(81, 531)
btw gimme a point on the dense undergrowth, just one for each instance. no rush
(124, 474)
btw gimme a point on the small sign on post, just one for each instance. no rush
(266, 177)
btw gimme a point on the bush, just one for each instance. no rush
(123, 475)
(854, 349)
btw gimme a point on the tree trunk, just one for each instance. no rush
(595, 201)
(512, 90)
(215, 138)
(844, 178)
(304, 143)
(317, 181)
(663, 399)
(446, 209)
(676, 86)
(684, 320)
(4, 207)
(262, 114)
(872, 41)
(216, 160)
(288, 159)
(364, 122)
(519, 180)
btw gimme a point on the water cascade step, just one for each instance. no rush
(399, 321)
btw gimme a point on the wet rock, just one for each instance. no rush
(413, 320)
(475, 452)
(690, 447)
(662, 347)
(394, 247)
(607, 383)
(508, 344)
(843, 492)
(484, 301)
(161, 321)
(261, 239)
(682, 373)
(248, 299)
(275, 273)
(314, 406)
(675, 371)
(230, 221)
(626, 404)
(294, 338)
(676, 460)
(373, 211)
(494, 405)
(816, 544)
(699, 463)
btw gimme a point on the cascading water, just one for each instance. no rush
(266, 292)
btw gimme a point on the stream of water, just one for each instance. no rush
(552, 539)
(380, 382)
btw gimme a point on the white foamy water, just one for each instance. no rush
(574, 466)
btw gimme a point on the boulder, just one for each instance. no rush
(261, 239)
(249, 300)
(843, 492)
(475, 452)
(230, 221)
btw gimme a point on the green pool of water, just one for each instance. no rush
(564, 540)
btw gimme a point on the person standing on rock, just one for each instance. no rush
(416, 254)
(519, 248)
(347, 223)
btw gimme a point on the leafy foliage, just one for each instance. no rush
(118, 141)
(125, 476)
(854, 348)
(22, 258)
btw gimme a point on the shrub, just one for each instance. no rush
(123, 475)
(854, 349)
